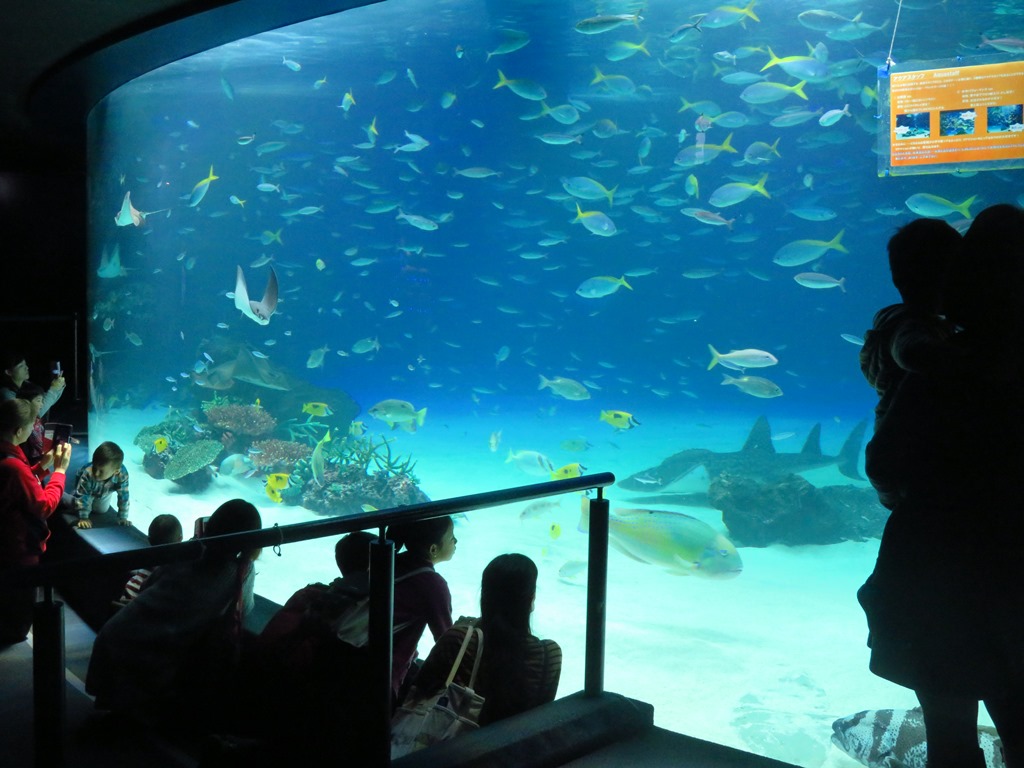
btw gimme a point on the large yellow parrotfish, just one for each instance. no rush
(679, 543)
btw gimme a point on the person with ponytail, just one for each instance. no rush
(422, 597)
(517, 671)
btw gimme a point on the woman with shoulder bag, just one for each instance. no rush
(517, 671)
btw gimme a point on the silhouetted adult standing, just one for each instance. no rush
(945, 603)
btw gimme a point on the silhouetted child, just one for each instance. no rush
(913, 336)
(352, 553)
(104, 476)
(165, 529)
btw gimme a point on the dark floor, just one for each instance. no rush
(93, 740)
(96, 740)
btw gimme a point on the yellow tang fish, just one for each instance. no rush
(274, 495)
(277, 481)
(555, 530)
(160, 444)
(569, 470)
(317, 409)
(619, 419)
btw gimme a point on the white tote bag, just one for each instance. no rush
(426, 720)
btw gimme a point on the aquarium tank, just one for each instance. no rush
(423, 249)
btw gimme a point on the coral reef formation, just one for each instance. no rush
(348, 490)
(189, 466)
(278, 455)
(252, 420)
(303, 432)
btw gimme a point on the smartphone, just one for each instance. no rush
(200, 527)
(57, 433)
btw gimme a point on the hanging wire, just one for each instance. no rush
(892, 43)
(280, 540)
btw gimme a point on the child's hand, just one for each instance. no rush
(124, 522)
(83, 524)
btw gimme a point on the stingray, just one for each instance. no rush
(257, 371)
(260, 311)
(130, 215)
(110, 265)
(244, 367)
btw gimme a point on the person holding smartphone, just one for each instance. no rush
(25, 506)
(14, 372)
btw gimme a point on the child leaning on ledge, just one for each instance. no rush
(165, 529)
(97, 481)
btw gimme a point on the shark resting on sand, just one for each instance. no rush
(757, 460)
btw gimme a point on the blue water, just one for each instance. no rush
(443, 303)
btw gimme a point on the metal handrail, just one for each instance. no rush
(149, 557)
(48, 631)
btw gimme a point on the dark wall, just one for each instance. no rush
(43, 221)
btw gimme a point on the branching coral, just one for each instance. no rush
(278, 455)
(310, 431)
(364, 452)
(393, 465)
(242, 419)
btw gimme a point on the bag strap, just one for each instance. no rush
(479, 655)
(471, 630)
(405, 576)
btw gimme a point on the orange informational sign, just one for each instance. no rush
(957, 116)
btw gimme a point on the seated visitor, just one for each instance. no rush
(171, 653)
(518, 671)
(25, 506)
(105, 476)
(164, 529)
(422, 598)
(310, 689)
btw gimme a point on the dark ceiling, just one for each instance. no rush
(58, 60)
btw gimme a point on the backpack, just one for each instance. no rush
(318, 618)
(311, 662)
(348, 610)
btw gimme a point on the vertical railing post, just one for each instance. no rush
(49, 692)
(382, 606)
(597, 595)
